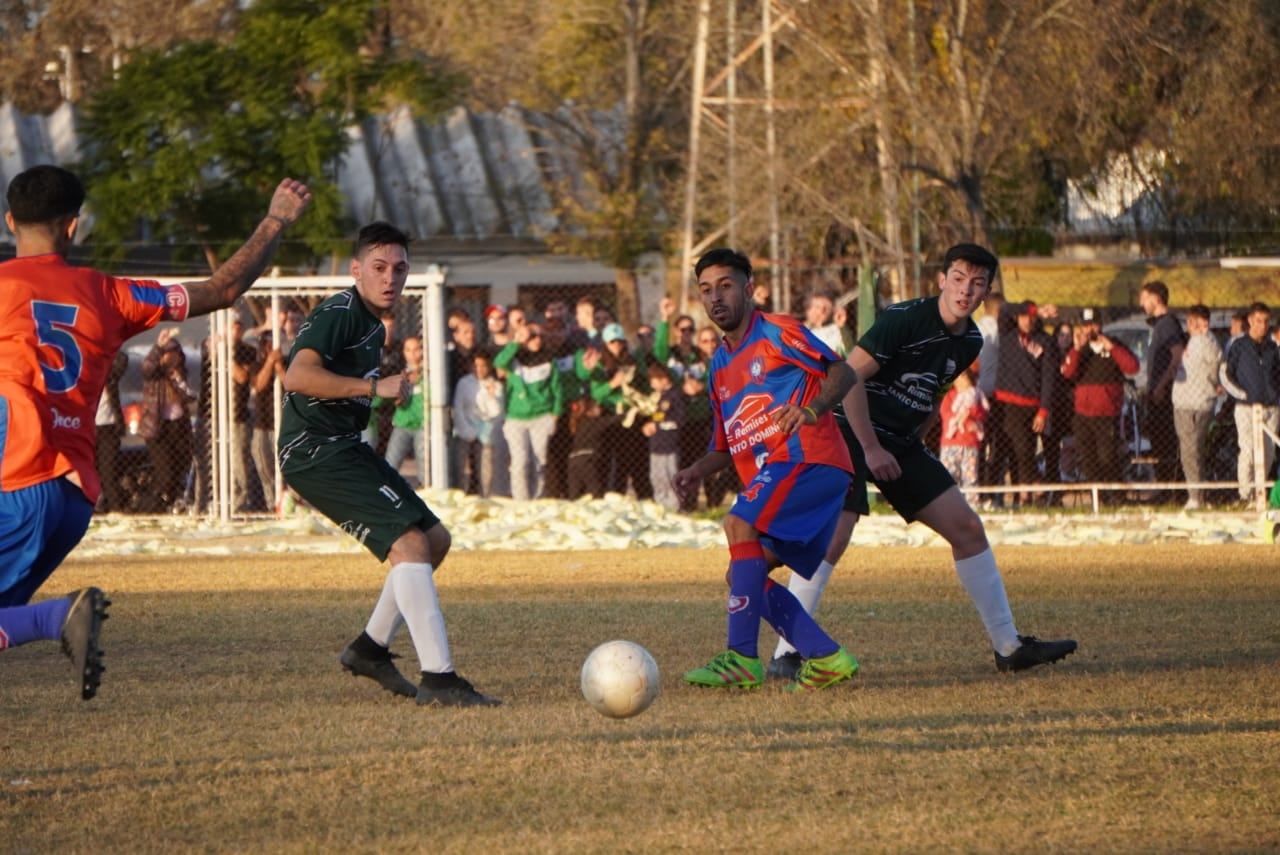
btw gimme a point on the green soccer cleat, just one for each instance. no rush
(824, 672)
(728, 670)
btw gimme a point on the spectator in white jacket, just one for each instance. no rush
(1195, 391)
(478, 409)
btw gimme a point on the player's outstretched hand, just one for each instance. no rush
(289, 201)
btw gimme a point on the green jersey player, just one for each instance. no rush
(907, 358)
(330, 382)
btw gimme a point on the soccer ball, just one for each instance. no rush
(620, 679)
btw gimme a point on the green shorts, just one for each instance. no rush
(924, 478)
(360, 492)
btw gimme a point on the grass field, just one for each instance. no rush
(225, 725)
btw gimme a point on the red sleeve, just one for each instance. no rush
(1125, 360)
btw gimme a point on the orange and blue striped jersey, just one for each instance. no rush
(60, 329)
(777, 362)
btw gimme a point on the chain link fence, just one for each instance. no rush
(188, 424)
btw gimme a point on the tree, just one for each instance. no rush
(610, 77)
(56, 51)
(192, 139)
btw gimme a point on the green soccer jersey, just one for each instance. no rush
(918, 358)
(349, 339)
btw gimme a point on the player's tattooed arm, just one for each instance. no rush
(839, 380)
(243, 268)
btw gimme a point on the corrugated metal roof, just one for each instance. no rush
(464, 178)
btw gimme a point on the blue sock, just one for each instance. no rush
(38, 622)
(747, 573)
(792, 622)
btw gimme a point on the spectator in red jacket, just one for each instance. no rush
(1098, 366)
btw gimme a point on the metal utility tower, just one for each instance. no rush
(715, 102)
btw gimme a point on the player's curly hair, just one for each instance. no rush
(44, 194)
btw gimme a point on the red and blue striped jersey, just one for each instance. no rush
(778, 362)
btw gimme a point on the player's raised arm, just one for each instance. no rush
(243, 268)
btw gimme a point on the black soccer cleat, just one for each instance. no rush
(459, 693)
(80, 631)
(379, 669)
(1035, 652)
(785, 667)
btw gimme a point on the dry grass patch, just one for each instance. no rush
(225, 725)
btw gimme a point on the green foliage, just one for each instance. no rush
(194, 139)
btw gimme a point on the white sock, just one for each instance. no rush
(981, 579)
(808, 592)
(385, 621)
(416, 598)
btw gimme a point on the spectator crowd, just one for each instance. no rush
(558, 401)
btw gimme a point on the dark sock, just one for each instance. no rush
(368, 648)
(432, 680)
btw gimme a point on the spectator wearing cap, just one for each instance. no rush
(609, 373)
(1098, 366)
(1253, 380)
(497, 329)
(1025, 378)
(1195, 393)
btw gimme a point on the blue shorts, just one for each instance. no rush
(39, 526)
(795, 507)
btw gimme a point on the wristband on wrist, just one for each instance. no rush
(812, 412)
(279, 219)
(373, 387)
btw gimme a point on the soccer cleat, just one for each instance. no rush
(381, 670)
(460, 694)
(80, 629)
(1033, 652)
(728, 670)
(824, 672)
(786, 666)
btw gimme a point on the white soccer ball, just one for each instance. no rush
(620, 679)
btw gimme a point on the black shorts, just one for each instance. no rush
(360, 492)
(923, 479)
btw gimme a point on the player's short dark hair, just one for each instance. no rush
(44, 194)
(379, 233)
(1259, 307)
(1158, 289)
(974, 255)
(723, 257)
(1199, 310)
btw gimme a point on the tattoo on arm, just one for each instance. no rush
(238, 272)
(839, 380)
